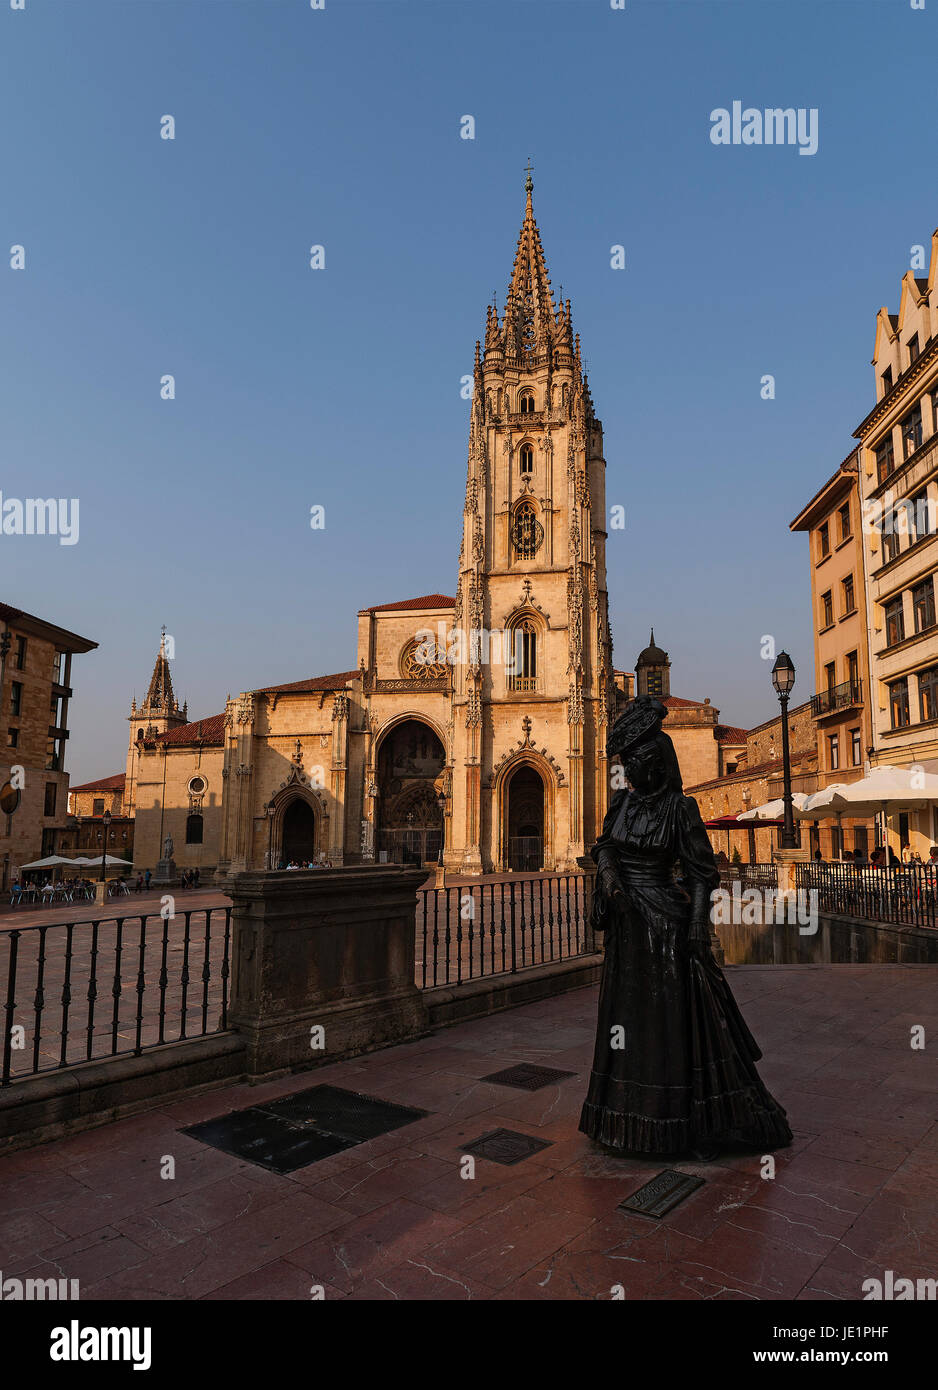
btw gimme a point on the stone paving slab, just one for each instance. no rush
(397, 1219)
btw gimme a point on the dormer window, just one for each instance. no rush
(526, 403)
(887, 381)
(527, 460)
(913, 349)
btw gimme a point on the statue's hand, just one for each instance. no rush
(610, 884)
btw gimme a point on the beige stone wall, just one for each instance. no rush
(163, 801)
(21, 834)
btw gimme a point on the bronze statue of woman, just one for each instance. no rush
(674, 1069)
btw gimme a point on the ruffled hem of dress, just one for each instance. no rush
(718, 1119)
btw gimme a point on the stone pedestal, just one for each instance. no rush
(787, 859)
(100, 893)
(165, 873)
(323, 956)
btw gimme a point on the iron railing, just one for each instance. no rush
(837, 697)
(749, 875)
(465, 933)
(906, 896)
(57, 979)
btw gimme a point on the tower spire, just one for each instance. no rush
(159, 697)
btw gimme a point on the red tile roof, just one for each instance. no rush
(427, 601)
(675, 702)
(206, 731)
(730, 733)
(103, 784)
(337, 682)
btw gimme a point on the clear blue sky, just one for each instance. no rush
(342, 387)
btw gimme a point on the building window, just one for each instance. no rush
(527, 460)
(16, 697)
(526, 531)
(856, 752)
(889, 530)
(51, 789)
(13, 738)
(850, 602)
(833, 751)
(899, 703)
(861, 841)
(923, 604)
(830, 676)
(928, 693)
(20, 658)
(885, 458)
(922, 511)
(886, 379)
(895, 622)
(57, 668)
(526, 403)
(913, 349)
(193, 830)
(912, 431)
(845, 529)
(97, 806)
(827, 609)
(824, 539)
(522, 671)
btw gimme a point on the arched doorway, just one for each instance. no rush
(298, 836)
(525, 820)
(410, 767)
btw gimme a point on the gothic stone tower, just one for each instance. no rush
(158, 713)
(529, 786)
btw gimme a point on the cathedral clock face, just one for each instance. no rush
(526, 532)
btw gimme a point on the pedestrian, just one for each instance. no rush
(818, 857)
(146, 880)
(195, 876)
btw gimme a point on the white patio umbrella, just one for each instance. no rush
(51, 861)
(772, 810)
(820, 805)
(888, 789)
(111, 862)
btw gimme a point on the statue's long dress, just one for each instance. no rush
(685, 1075)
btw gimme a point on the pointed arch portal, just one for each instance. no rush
(525, 797)
(410, 765)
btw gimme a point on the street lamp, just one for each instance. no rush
(441, 802)
(783, 678)
(106, 823)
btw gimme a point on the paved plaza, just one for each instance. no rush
(393, 1218)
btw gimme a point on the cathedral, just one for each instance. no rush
(473, 724)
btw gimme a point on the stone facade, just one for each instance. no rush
(35, 691)
(898, 481)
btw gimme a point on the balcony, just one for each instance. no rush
(837, 697)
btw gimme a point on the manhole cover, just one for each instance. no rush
(266, 1140)
(298, 1130)
(505, 1146)
(662, 1193)
(527, 1077)
(345, 1114)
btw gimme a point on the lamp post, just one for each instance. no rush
(783, 678)
(106, 824)
(440, 870)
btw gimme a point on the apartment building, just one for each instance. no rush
(833, 523)
(898, 483)
(35, 689)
